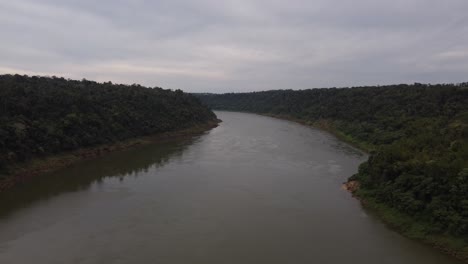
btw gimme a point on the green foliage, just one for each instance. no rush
(41, 115)
(418, 135)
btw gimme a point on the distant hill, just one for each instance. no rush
(48, 115)
(417, 136)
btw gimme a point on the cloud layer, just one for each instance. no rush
(241, 45)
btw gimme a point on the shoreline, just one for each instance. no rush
(21, 173)
(326, 126)
(407, 226)
(389, 216)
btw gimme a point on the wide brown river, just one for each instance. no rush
(253, 190)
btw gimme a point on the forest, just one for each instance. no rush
(41, 116)
(416, 136)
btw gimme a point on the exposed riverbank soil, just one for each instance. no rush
(351, 186)
(21, 173)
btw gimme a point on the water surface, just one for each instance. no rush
(253, 190)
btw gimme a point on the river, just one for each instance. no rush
(253, 190)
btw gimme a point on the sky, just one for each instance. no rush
(237, 45)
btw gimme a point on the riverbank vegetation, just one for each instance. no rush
(417, 137)
(43, 116)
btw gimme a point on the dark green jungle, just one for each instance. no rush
(40, 116)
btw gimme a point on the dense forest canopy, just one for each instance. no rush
(417, 136)
(46, 115)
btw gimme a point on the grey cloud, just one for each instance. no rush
(243, 45)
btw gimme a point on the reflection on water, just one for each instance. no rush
(81, 176)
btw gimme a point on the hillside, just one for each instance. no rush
(417, 136)
(40, 116)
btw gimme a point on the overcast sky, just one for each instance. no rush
(238, 45)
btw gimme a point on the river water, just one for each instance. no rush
(253, 190)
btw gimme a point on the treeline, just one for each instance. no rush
(48, 115)
(417, 136)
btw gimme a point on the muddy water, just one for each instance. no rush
(253, 190)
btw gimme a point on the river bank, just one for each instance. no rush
(403, 224)
(21, 173)
(326, 125)
(408, 226)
